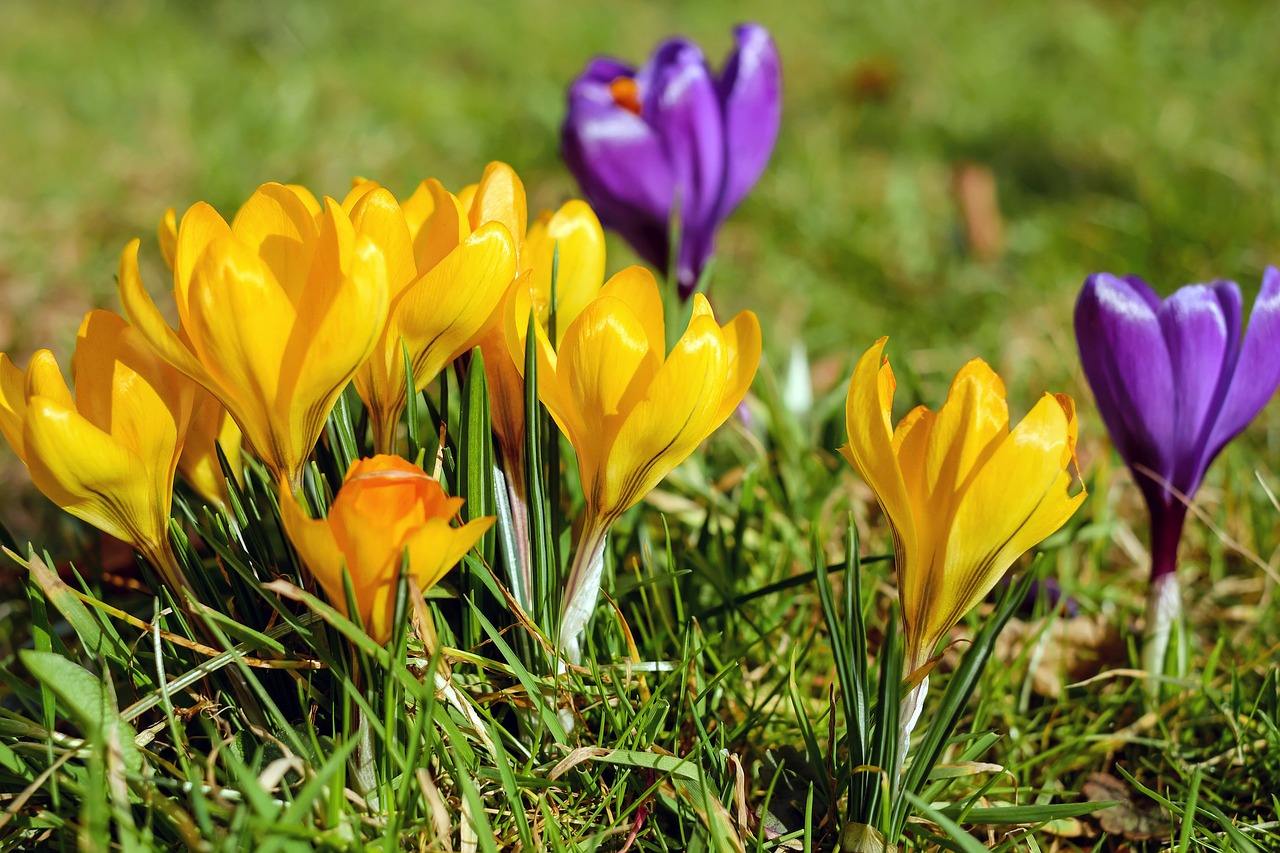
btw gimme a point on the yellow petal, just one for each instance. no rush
(376, 214)
(200, 226)
(13, 403)
(868, 413)
(44, 378)
(499, 197)
(436, 547)
(967, 429)
(337, 328)
(573, 239)
(90, 475)
(148, 320)
(276, 225)
(442, 231)
(242, 322)
(1020, 496)
(418, 207)
(167, 234)
(636, 287)
(742, 344)
(604, 366)
(210, 427)
(443, 314)
(124, 388)
(315, 543)
(678, 411)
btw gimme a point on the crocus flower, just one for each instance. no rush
(445, 279)
(672, 140)
(1175, 380)
(387, 509)
(632, 411)
(276, 313)
(571, 240)
(108, 455)
(964, 495)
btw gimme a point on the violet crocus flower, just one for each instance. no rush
(1175, 380)
(641, 141)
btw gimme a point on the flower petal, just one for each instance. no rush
(743, 344)
(1126, 360)
(750, 90)
(1201, 326)
(500, 198)
(129, 392)
(315, 543)
(441, 231)
(277, 226)
(677, 414)
(377, 215)
(868, 413)
(1020, 496)
(92, 476)
(967, 429)
(570, 239)
(150, 323)
(1257, 371)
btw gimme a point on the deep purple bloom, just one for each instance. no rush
(642, 140)
(1175, 380)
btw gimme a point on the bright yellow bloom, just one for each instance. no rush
(572, 241)
(108, 455)
(446, 279)
(633, 412)
(276, 313)
(964, 495)
(211, 424)
(386, 508)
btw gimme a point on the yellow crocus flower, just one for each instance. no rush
(964, 495)
(387, 508)
(571, 240)
(276, 313)
(445, 281)
(632, 411)
(108, 454)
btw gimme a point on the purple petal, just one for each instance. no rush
(682, 105)
(1257, 371)
(1126, 361)
(1201, 326)
(750, 91)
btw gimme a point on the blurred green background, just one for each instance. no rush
(1120, 136)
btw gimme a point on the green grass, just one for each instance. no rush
(1140, 138)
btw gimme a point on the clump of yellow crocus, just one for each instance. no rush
(964, 495)
(386, 509)
(276, 313)
(108, 454)
(632, 411)
(446, 278)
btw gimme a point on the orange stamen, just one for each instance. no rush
(626, 94)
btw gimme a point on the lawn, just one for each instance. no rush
(946, 175)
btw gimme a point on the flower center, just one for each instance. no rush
(626, 94)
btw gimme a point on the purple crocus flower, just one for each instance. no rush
(641, 141)
(1175, 380)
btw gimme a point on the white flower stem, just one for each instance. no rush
(582, 588)
(1164, 612)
